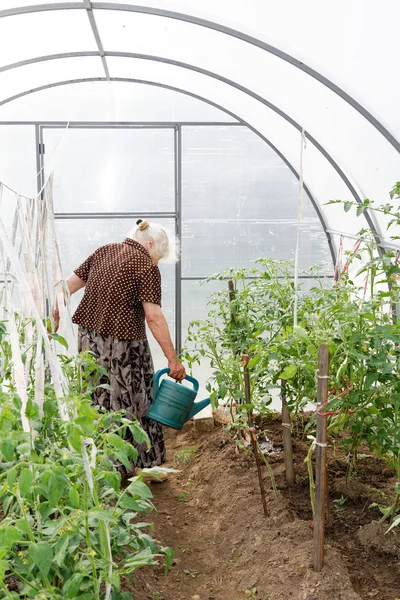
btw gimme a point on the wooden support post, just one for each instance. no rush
(320, 468)
(231, 291)
(287, 437)
(256, 449)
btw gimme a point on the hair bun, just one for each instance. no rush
(142, 225)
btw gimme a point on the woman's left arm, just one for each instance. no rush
(74, 284)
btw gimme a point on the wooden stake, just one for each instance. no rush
(231, 291)
(256, 449)
(287, 437)
(320, 469)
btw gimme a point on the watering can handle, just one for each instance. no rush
(162, 372)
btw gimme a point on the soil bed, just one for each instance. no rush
(226, 549)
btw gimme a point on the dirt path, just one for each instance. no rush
(226, 549)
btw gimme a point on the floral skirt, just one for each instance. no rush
(130, 372)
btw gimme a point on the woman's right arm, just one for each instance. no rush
(159, 328)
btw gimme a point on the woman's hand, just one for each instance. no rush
(176, 370)
(56, 317)
(159, 328)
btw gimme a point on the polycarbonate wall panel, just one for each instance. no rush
(239, 203)
(78, 238)
(365, 70)
(322, 178)
(360, 148)
(16, 81)
(18, 158)
(112, 101)
(112, 170)
(42, 33)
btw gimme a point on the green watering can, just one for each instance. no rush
(174, 404)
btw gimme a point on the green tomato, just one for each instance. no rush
(368, 420)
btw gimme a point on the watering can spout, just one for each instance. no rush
(198, 406)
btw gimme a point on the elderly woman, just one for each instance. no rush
(122, 292)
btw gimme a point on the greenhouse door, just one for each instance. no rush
(105, 178)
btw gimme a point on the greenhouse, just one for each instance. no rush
(210, 191)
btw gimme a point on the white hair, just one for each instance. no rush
(166, 244)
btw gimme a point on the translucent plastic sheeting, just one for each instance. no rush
(79, 238)
(5, 4)
(245, 207)
(113, 170)
(36, 34)
(351, 43)
(101, 101)
(324, 181)
(32, 76)
(18, 161)
(361, 148)
(362, 68)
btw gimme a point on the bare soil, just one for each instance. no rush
(225, 548)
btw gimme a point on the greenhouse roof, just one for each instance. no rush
(278, 68)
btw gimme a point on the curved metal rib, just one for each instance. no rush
(221, 29)
(202, 99)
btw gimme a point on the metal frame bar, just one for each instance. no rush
(96, 34)
(323, 276)
(215, 105)
(113, 215)
(221, 29)
(124, 124)
(178, 231)
(39, 170)
(246, 91)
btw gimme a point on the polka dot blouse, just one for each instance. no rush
(119, 277)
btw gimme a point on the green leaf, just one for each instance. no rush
(23, 526)
(347, 206)
(360, 209)
(130, 503)
(169, 555)
(10, 536)
(139, 435)
(11, 477)
(395, 523)
(61, 549)
(75, 438)
(114, 440)
(289, 372)
(71, 588)
(370, 379)
(55, 488)
(105, 386)
(138, 489)
(7, 449)
(101, 515)
(41, 555)
(59, 339)
(86, 423)
(73, 497)
(25, 482)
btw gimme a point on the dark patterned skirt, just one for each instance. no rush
(130, 375)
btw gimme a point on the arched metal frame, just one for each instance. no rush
(207, 101)
(213, 75)
(89, 6)
(221, 29)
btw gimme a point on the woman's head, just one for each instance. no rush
(159, 243)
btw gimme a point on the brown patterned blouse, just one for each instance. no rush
(119, 277)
